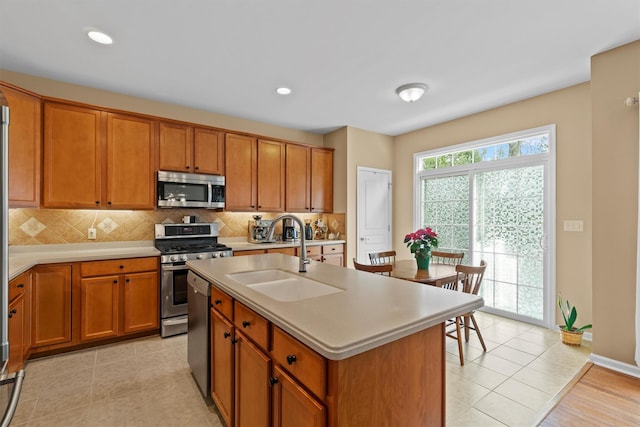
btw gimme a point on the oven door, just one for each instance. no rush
(174, 289)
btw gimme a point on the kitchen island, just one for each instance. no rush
(380, 340)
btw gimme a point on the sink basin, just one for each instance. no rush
(283, 286)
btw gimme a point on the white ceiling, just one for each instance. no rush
(342, 58)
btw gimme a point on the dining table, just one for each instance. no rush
(436, 275)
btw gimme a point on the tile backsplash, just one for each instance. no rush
(52, 226)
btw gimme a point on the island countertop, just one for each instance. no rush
(371, 310)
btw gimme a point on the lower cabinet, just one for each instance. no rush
(332, 253)
(293, 405)
(51, 305)
(223, 366)
(118, 297)
(253, 394)
(15, 328)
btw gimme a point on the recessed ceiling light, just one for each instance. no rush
(99, 37)
(283, 91)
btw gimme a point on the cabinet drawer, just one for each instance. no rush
(251, 324)
(222, 302)
(300, 361)
(117, 266)
(311, 250)
(18, 285)
(333, 249)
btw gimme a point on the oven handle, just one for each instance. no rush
(166, 267)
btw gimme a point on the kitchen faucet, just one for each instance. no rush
(303, 244)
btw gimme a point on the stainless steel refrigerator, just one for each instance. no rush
(10, 382)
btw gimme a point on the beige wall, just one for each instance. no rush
(568, 109)
(355, 147)
(101, 98)
(615, 75)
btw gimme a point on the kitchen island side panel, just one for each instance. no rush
(401, 383)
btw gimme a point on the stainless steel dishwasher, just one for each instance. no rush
(198, 345)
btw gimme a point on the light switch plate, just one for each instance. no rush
(573, 225)
(91, 234)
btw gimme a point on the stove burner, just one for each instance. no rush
(185, 249)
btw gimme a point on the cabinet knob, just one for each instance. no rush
(127, 280)
(291, 359)
(121, 267)
(20, 285)
(218, 302)
(273, 381)
(246, 323)
(115, 281)
(197, 167)
(227, 335)
(12, 312)
(234, 341)
(187, 166)
(109, 202)
(97, 202)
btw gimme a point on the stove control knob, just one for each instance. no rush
(222, 254)
(201, 256)
(173, 258)
(183, 257)
(214, 255)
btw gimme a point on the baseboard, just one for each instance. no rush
(615, 365)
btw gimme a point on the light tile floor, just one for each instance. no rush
(147, 382)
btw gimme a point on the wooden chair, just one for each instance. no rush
(451, 258)
(469, 279)
(376, 268)
(386, 257)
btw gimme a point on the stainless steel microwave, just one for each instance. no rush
(190, 190)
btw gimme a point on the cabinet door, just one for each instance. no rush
(240, 172)
(130, 162)
(15, 328)
(253, 394)
(321, 180)
(208, 151)
(294, 406)
(51, 305)
(25, 133)
(175, 147)
(72, 156)
(271, 162)
(334, 259)
(141, 300)
(99, 301)
(222, 366)
(298, 179)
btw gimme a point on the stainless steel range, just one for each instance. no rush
(179, 243)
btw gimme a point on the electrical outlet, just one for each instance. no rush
(91, 235)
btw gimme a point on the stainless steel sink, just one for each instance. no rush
(282, 285)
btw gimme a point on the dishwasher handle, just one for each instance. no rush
(198, 283)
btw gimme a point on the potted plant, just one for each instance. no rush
(420, 243)
(571, 334)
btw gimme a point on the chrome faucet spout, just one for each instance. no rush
(303, 243)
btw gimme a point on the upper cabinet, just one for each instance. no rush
(95, 159)
(185, 148)
(25, 138)
(255, 174)
(309, 183)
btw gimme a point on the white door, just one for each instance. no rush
(374, 212)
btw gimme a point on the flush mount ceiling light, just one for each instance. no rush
(411, 92)
(283, 91)
(99, 37)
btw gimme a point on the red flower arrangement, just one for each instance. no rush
(421, 241)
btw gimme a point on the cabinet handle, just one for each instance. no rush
(234, 341)
(97, 202)
(121, 267)
(188, 166)
(273, 381)
(291, 359)
(246, 323)
(109, 202)
(227, 335)
(218, 302)
(12, 312)
(21, 285)
(115, 281)
(127, 280)
(253, 206)
(197, 167)
(259, 206)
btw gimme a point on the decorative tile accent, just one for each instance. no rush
(32, 227)
(107, 225)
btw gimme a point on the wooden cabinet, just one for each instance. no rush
(293, 405)
(25, 139)
(253, 394)
(185, 148)
(255, 174)
(94, 159)
(309, 183)
(131, 171)
(118, 297)
(287, 251)
(222, 365)
(19, 321)
(332, 253)
(51, 305)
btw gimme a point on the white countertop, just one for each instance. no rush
(371, 311)
(241, 244)
(22, 258)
